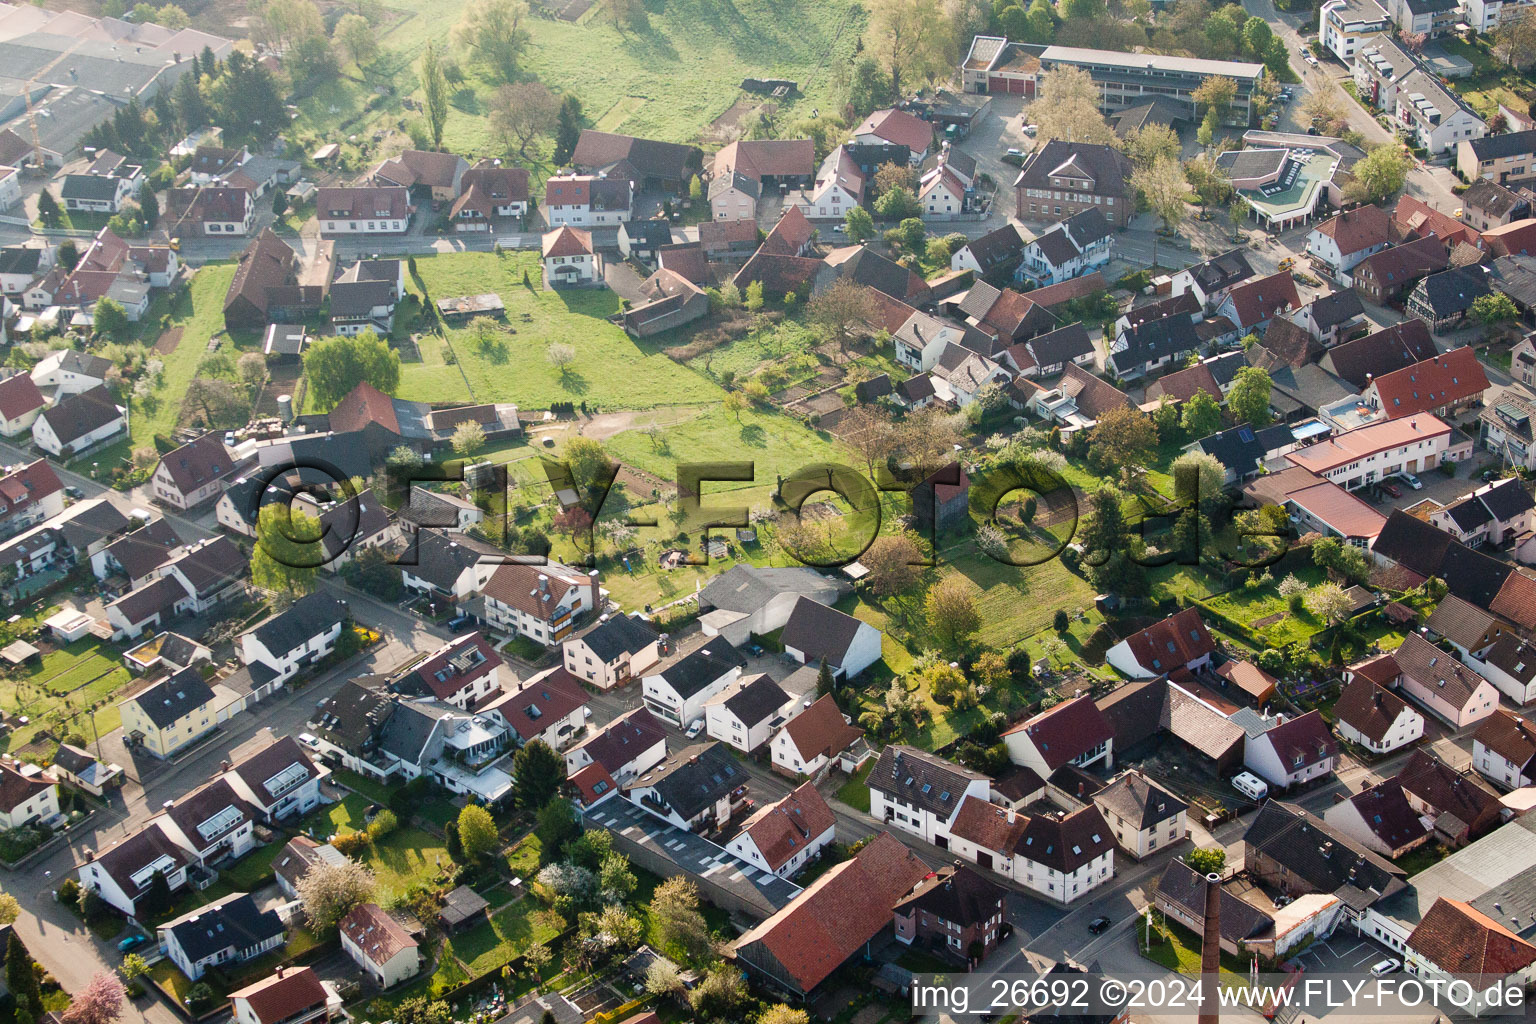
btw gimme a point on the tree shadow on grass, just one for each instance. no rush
(575, 383)
(754, 436)
(467, 101)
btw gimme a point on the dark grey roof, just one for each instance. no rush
(305, 619)
(20, 259)
(758, 698)
(695, 777)
(78, 415)
(1151, 341)
(1391, 348)
(233, 923)
(1057, 247)
(439, 557)
(202, 815)
(359, 298)
(91, 522)
(1320, 858)
(1515, 276)
(211, 565)
(172, 698)
(1336, 308)
(698, 670)
(819, 632)
(996, 247)
(1492, 147)
(746, 588)
(408, 730)
(1240, 920)
(649, 233)
(1062, 345)
(92, 187)
(1453, 291)
(1252, 163)
(354, 716)
(1222, 271)
(920, 779)
(620, 635)
(1225, 366)
(1136, 799)
(956, 893)
(1491, 197)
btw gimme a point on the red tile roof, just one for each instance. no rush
(820, 729)
(1356, 230)
(199, 463)
(378, 935)
(786, 827)
(283, 995)
(16, 788)
(898, 127)
(30, 483)
(592, 783)
(19, 396)
(1369, 709)
(456, 665)
(1249, 678)
(1517, 239)
(1260, 300)
(1414, 218)
(363, 405)
(1066, 731)
(841, 911)
(1172, 643)
(553, 693)
(1508, 735)
(1430, 384)
(1303, 740)
(1362, 442)
(567, 241)
(1460, 940)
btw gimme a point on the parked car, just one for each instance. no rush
(1030, 130)
(458, 622)
(132, 942)
(1391, 489)
(695, 728)
(1385, 967)
(1411, 481)
(1098, 926)
(1014, 152)
(1492, 473)
(72, 491)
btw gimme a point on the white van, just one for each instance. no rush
(1250, 785)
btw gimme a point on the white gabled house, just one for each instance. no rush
(747, 712)
(678, 692)
(920, 793)
(786, 835)
(302, 635)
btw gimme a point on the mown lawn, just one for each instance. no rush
(80, 675)
(1015, 602)
(406, 857)
(200, 315)
(611, 370)
(855, 792)
(489, 945)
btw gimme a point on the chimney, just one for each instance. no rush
(1210, 952)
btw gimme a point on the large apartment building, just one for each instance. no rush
(1343, 25)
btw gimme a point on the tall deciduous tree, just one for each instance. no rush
(1145, 145)
(1379, 176)
(287, 550)
(950, 608)
(1201, 416)
(675, 913)
(100, 1002)
(1248, 400)
(894, 563)
(356, 39)
(844, 311)
(334, 366)
(1216, 93)
(434, 89)
(328, 891)
(1165, 190)
(913, 39)
(521, 113)
(494, 32)
(477, 832)
(1067, 108)
(1124, 436)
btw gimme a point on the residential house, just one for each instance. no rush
(97, 193)
(1050, 353)
(1211, 281)
(696, 789)
(625, 748)
(20, 404)
(1516, 239)
(1242, 451)
(1443, 300)
(28, 794)
(190, 475)
(1461, 806)
(816, 738)
(439, 174)
(265, 281)
(1412, 218)
(678, 691)
(1060, 179)
(1151, 345)
(1375, 717)
(365, 210)
(615, 651)
(435, 509)
(1344, 24)
(540, 602)
(1487, 204)
(1392, 348)
(1435, 117)
(651, 165)
(1060, 857)
(1380, 819)
(70, 372)
(839, 187)
(747, 712)
(1071, 733)
(999, 250)
(838, 915)
(550, 706)
(453, 566)
(79, 423)
(1499, 515)
(170, 714)
(1505, 159)
(1069, 248)
(923, 338)
(1332, 318)
(293, 995)
(301, 635)
(29, 494)
(1389, 274)
(1455, 941)
(786, 835)
(743, 170)
(1510, 665)
(378, 944)
(1360, 457)
(212, 211)
(1504, 424)
(899, 128)
(1297, 853)
(491, 194)
(20, 265)
(280, 781)
(123, 873)
(295, 859)
(1503, 749)
(956, 912)
(1443, 686)
(570, 259)
(941, 194)
(1143, 816)
(643, 239)
(1180, 895)
(746, 600)
(1253, 304)
(231, 930)
(1345, 239)
(1290, 752)
(1179, 641)
(462, 672)
(587, 201)
(84, 771)
(1444, 385)
(920, 793)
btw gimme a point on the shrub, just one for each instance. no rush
(349, 843)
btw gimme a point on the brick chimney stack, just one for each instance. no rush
(1210, 953)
